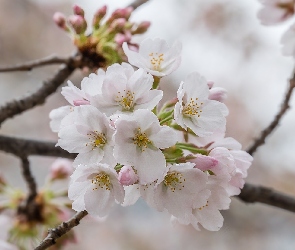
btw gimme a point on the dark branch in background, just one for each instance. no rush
(32, 187)
(251, 194)
(267, 131)
(13, 108)
(23, 148)
(37, 63)
(137, 3)
(63, 228)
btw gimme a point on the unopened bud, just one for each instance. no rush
(118, 25)
(120, 13)
(217, 94)
(127, 176)
(99, 14)
(78, 23)
(61, 169)
(121, 38)
(210, 84)
(60, 20)
(78, 10)
(142, 28)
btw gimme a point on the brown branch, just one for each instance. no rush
(13, 108)
(63, 228)
(23, 148)
(31, 183)
(37, 63)
(251, 194)
(137, 3)
(267, 131)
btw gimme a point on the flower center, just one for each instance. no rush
(156, 60)
(174, 180)
(102, 180)
(97, 140)
(192, 108)
(200, 208)
(141, 139)
(126, 100)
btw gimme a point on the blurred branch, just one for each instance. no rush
(63, 228)
(15, 107)
(23, 148)
(135, 4)
(251, 194)
(37, 63)
(267, 131)
(31, 183)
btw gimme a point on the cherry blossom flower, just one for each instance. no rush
(155, 56)
(195, 111)
(208, 215)
(95, 188)
(276, 11)
(90, 136)
(90, 86)
(126, 90)
(182, 187)
(138, 140)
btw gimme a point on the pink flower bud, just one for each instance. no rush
(60, 20)
(61, 169)
(217, 94)
(204, 162)
(78, 10)
(99, 14)
(142, 28)
(80, 102)
(118, 25)
(78, 23)
(127, 176)
(210, 84)
(120, 39)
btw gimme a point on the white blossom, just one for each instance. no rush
(138, 140)
(90, 136)
(90, 86)
(95, 188)
(195, 111)
(155, 56)
(126, 90)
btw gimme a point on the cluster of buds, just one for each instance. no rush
(23, 231)
(173, 155)
(106, 37)
(278, 11)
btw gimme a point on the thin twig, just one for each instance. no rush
(24, 147)
(36, 63)
(267, 131)
(63, 228)
(13, 108)
(251, 194)
(31, 183)
(137, 3)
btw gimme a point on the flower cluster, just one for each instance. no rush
(172, 155)
(105, 38)
(23, 229)
(277, 11)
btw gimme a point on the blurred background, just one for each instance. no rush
(222, 40)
